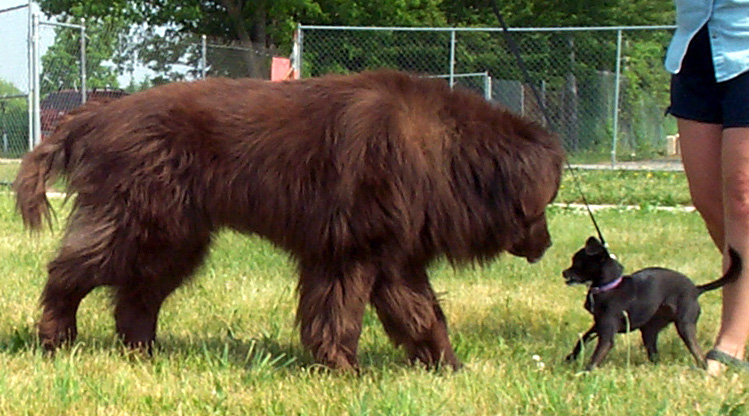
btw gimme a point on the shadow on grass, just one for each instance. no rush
(263, 353)
(18, 338)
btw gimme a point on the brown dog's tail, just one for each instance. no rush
(47, 161)
(734, 269)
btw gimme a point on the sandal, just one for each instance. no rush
(727, 360)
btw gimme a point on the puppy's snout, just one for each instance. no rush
(570, 276)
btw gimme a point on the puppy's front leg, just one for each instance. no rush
(606, 331)
(580, 343)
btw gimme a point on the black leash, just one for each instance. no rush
(521, 64)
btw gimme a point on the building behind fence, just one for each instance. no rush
(604, 89)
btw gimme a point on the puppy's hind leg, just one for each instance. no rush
(649, 334)
(687, 329)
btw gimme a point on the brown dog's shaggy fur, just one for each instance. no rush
(364, 179)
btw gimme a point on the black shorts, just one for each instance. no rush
(695, 95)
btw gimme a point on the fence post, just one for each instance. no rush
(452, 58)
(296, 54)
(30, 64)
(203, 56)
(299, 52)
(84, 88)
(36, 122)
(488, 93)
(617, 82)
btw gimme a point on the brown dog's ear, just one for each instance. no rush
(593, 247)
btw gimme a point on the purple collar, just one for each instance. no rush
(606, 287)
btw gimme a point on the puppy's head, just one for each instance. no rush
(592, 264)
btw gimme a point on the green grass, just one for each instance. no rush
(618, 187)
(625, 187)
(228, 344)
(8, 169)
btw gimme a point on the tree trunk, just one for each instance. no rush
(235, 8)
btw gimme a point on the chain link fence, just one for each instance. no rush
(14, 91)
(604, 89)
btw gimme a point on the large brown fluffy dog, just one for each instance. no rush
(364, 179)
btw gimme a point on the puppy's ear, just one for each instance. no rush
(612, 269)
(593, 247)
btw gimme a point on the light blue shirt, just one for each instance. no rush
(728, 23)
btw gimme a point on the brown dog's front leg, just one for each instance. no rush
(332, 300)
(580, 343)
(411, 314)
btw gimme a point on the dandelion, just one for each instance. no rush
(539, 364)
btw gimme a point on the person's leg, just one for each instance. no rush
(701, 156)
(734, 329)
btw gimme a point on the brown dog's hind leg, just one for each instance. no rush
(412, 317)
(73, 274)
(156, 273)
(66, 286)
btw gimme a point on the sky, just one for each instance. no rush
(14, 41)
(13, 44)
(14, 28)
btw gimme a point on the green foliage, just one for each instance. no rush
(61, 64)
(14, 121)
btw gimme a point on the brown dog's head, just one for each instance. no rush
(533, 240)
(592, 264)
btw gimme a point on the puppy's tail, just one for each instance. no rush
(46, 162)
(734, 269)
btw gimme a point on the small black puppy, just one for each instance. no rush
(650, 298)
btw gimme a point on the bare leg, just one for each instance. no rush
(734, 329)
(332, 299)
(412, 316)
(701, 155)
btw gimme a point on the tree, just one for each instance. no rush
(14, 120)
(61, 63)
(570, 66)
(259, 28)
